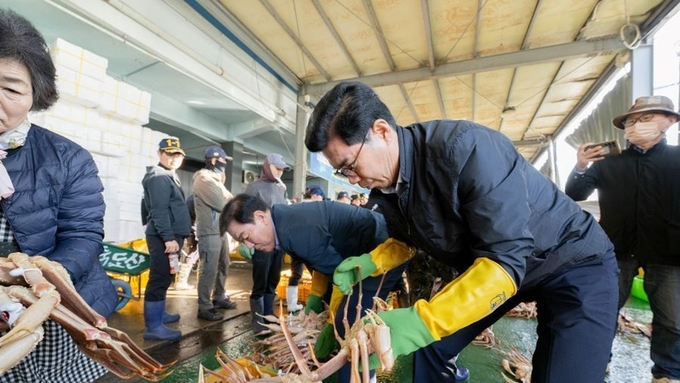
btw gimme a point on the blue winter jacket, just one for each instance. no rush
(57, 210)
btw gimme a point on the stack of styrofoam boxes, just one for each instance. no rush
(105, 116)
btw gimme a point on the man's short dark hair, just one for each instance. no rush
(241, 209)
(20, 41)
(347, 111)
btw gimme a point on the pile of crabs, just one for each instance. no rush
(34, 289)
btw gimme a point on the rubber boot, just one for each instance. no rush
(183, 277)
(268, 300)
(292, 299)
(153, 321)
(257, 307)
(170, 318)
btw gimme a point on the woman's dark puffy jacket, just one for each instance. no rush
(57, 210)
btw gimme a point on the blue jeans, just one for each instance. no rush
(662, 285)
(576, 327)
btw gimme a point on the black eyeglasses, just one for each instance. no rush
(644, 118)
(348, 171)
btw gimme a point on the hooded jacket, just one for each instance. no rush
(270, 189)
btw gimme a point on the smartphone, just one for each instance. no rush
(611, 148)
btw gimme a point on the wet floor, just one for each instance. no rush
(630, 360)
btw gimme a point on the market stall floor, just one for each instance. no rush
(200, 338)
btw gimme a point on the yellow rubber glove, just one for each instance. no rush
(316, 293)
(472, 296)
(382, 259)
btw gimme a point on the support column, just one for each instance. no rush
(642, 71)
(234, 170)
(301, 118)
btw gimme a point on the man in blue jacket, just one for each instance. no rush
(462, 193)
(322, 235)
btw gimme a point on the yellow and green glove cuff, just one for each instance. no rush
(476, 293)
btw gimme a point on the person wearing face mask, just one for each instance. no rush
(210, 196)
(267, 264)
(639, 210)
(51, 202)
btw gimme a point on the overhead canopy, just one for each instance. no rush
(520, 66)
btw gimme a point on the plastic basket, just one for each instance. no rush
(304, 287)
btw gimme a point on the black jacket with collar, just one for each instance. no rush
(639, 197)
(465, 192)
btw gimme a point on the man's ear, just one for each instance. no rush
(260, 217)
(382, 129)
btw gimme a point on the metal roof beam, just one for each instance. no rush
(373, 18)
(407, 99)
(428, 32)
(552, 53)
(295, 38)
(336, 36)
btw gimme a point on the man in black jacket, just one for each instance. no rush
(168, 224)
(462, 193)
(640, 211)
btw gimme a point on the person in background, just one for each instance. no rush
(314, 192)
(343, 197)
(354, 200)
(639, 210)
(463, 194)
(210, 196)
(267, 264)
(321, 234)
(51, 200)
(168, 224)
(363, 200)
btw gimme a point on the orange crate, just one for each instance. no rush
(304, 287)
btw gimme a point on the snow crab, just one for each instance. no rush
(36, 289)
(368, 334)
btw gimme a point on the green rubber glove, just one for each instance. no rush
(245, 251)
(346, 275)
(314, 303)
(326, 343)
(407, 333)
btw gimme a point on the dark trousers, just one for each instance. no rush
(369, 290)
(159, 269)
(297, 267)
(266, 272)
(577, 312)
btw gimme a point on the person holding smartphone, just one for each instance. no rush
(639, 210)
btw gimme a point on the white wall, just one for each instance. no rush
(105, 117)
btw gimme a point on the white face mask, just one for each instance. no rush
(643, 134)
